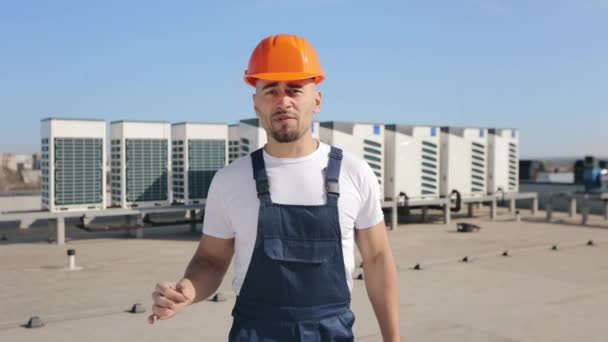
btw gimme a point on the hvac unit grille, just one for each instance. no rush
(478, 167)
(115, 171)
(178, 169)
(78, 171)
(146, 170)
(244, 147)
(233, 150)
(44, 170)
(205, 158)
(513, 165)
(372, 153)
(429, 168)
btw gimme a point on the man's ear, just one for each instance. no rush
(255, 108)
(318, 99)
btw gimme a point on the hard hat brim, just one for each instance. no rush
(284, 76)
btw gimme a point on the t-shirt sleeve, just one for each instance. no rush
(216, 222)
(370, 213)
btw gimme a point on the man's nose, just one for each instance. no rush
(283, 100)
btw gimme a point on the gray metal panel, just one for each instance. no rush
(147, 176)
(136, 121)
(78, 171)
(426, 202)
(197, 123)
(518, 195)
(500, 131)
(44, 214)
(497, 130)
(205, 158)
(71, 119)
(252, 122)
(459, 131)
(345, 127)
(405, 129)
(327, 124)
(477, 199)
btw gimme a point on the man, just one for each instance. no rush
(290, 214)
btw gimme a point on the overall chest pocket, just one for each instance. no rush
(300, 250)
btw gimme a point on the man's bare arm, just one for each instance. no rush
(380, 278)
(202, 278)
(208, 266)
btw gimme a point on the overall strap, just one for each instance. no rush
(261, 179)
(332, 176)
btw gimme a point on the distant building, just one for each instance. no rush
(530, 169)
(30, 177)
(36, 160)
(556, 177)
(8, 161)
(15, 162)
(588, 162)
(579, 171)
(24, 161)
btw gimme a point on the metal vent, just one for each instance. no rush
(478, 167)
(146, 162)
(116, 181)
(244, 147)
(429, 180)
(177, 158)
(233, 150)
(78, 171)
(373, 155)
(205, 158)
(513, 167)
(44, 170)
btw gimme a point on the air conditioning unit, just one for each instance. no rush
(315, 127)
(463, 161)
(140, 163)
(364, 140)
(252, 136)
(412, 161)
(198, 151)
(73, 164)
(233, 142)
(503, 160)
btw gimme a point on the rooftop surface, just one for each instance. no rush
(535, 294)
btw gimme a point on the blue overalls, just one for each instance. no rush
(295, 288)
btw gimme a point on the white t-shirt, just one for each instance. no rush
(232, 203)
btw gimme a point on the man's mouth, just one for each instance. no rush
(282, 117)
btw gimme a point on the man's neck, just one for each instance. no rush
(300, 148)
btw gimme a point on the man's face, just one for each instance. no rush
(286, 108)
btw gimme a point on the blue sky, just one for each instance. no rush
(540, 66)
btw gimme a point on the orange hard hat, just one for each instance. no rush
(284, 57)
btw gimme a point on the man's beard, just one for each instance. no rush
(285, 136)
